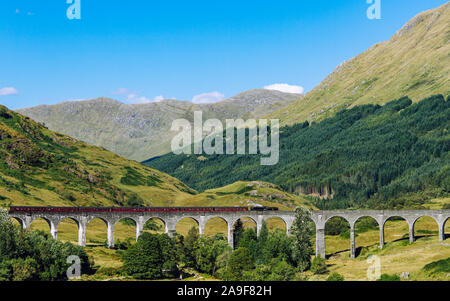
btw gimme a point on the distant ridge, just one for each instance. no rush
(142, 131)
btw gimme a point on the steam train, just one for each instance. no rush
(22, 209)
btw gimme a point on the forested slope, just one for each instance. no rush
(391, 156)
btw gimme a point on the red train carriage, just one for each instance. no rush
(27, 209)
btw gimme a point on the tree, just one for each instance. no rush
(208, 251)
(238, 232)
(278, 245)
(302, 235)
(169, 255)
(262, 240)
(249, 241)
(281, 271)
(8, 237)
(35, 255)
(190, 246)
(240, 262)
(144, 260)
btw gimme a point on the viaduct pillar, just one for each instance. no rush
(139, 226)
(259, 223)
(442, 231)
(53, 229)
(320, 242)
(201, 225)
(82, 234)
(230, 235)
(352, 241)
(381, 235)
(110, 241)
(171, 228)
(411, 232)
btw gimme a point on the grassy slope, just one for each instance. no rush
(414, 62)
(42, 168)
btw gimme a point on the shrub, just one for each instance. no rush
(387, 277)
(319, 266)
(335, 277)
(440, 266)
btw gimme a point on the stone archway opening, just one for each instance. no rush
(125, 231)
(276, 224)
(247, 222)
(447, 229)
(367, 234)
(241, 226)
(337, 235)
(17, 222)
(396, 228)
(216, 225)
(426, 227)
(68, 230)
(155, 225)
(97, 233)
(185, 224)
(41, 224)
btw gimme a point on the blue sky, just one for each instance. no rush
(137, 51)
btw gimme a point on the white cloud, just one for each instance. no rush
(211, 97)
(158, 98)
(8, 91)
(286, 88)
(120, 91)
(136, 99)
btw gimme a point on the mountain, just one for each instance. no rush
(39, 167)
(391, 156)
(141, 131)
(414, 62)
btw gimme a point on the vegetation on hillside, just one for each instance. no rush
(40, 167)
(391, 156)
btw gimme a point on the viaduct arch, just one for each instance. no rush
(170, 220)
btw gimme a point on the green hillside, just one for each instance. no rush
(39, 167)
(414, 62)
(391, 156)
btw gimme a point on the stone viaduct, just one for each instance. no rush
(170, 220)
